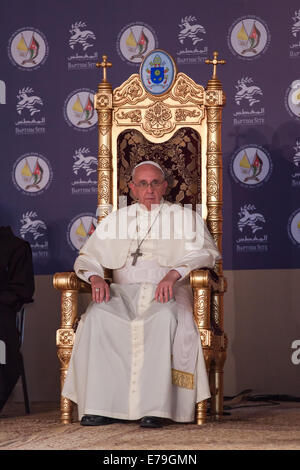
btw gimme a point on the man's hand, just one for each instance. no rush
(164, 290)
(100, 289)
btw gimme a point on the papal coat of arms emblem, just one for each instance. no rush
(157, 72)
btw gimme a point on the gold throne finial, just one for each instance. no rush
(104, 64)
(215, 62)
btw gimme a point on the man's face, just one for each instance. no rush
(150, 194)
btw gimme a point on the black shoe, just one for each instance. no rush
(96, 420)
(150, 422)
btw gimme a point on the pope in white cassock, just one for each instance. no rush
(137, 352)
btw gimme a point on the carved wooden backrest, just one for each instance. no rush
(179, 157)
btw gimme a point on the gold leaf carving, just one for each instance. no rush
(103, 188)
(212, 184)
(104, 129)
(67, 308)
(64, 356)
(212, 97)
(103, 150)
(215, 312)
(157, 120)
(102, 100)
(212, 126)
(130, 92)
(104, 117)
(104, 163)
(206, 338)
(212, 146)
(215, 211)
(65, 337)
(214, 159)
(200, 305)
(182, 114)
(185, 89)
(213, 114)
(134, 116)
(216, 238)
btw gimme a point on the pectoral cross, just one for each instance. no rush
(135, 255)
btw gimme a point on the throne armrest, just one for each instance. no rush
(208, 288)
(69, 281)
(206, 278)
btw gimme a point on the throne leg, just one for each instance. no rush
(66, 405)
(201, 412)
(219, 357)
(65, 340)
(202, 318)
(217, 373)
(201, 407)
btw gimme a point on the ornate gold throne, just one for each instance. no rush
(181, 130)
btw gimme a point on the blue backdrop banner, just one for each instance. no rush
(48, 125)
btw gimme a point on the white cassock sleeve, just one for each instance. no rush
(86, 266)
(201, 253)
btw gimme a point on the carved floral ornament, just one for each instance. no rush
(186, 90)
(182, 114)
(103, 150)
(131, 92)
(104, 130)
(134, 115)
(212, 184)
(104, 187)
(65, 337)
(158, 120)
(201, 304)
(206, 338)
(158, 115)
(64, 355)
(67, 308)
(103, 101)
(104, 117)
(214, 98)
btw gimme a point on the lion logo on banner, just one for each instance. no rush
(81, 37)
(296, 25)
(28, 102)
(83, 162)
(34, 227)
(297, 154)
(190, 31)
(247, 92)
(250, 220)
